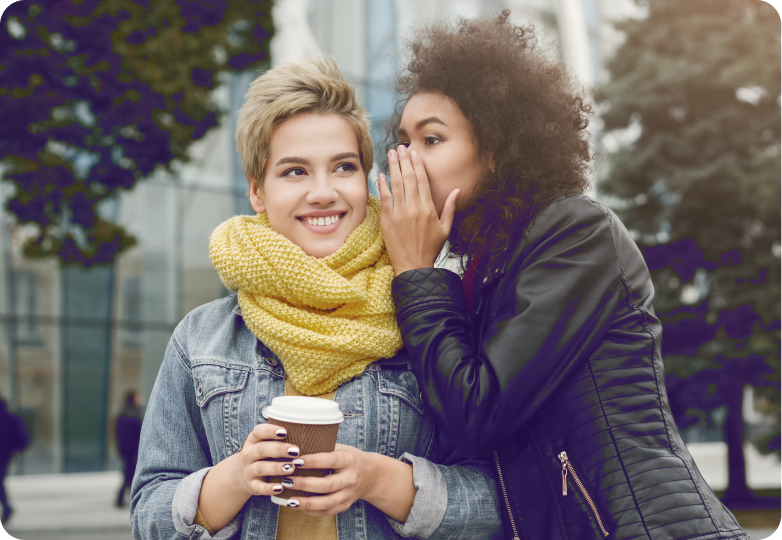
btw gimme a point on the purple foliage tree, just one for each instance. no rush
(96, 95)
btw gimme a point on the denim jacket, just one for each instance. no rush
(216, 380)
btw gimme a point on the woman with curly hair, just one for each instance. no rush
(546, 354)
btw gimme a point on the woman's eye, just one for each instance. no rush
(429, 141)
(294, 172)
(346, 167)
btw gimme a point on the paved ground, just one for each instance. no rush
(67, 507)
(81, 507)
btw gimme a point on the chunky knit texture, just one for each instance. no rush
(326, 319)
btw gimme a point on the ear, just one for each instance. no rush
(256, 197)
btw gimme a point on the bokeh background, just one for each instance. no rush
(117, 161)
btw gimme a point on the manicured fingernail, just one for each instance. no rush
(403, 149)
(298, 462)
(413, 153)
(281, 432)
(277, 488)
(288, 467)
(293, 451)
(293, 503)
(287, 482)
(392, 153)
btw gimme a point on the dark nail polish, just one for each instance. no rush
(293, 503)
(287, 467)
(277, 489)
(287, 482)
(281, 433)
(293, 451)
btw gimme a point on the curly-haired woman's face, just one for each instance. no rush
(433, 126)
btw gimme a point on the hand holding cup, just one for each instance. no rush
(312, 425)
(253, 463)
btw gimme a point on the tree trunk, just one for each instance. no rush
(737, 492)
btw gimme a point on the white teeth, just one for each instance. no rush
(323, 221)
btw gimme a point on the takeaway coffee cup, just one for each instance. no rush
(312, 425)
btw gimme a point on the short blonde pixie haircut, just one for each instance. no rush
(300, 86)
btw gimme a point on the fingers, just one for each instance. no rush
(386, 199)
(326, 505)
(449, 209)
(397, 183)
(409, 178)
(313, 484)
(257, 476)
(422, 181)
(334, 498)
(266, 432)
(271, 449)
(329, 460)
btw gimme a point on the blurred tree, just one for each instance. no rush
(96, 95)
(696, 84)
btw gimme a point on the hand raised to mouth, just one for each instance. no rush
(413, 232)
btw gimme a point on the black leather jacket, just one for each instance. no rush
(557, 372)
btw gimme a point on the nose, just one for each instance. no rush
(322, 191)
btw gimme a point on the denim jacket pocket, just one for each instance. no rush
(398, 380)
(211, 380)
(219, 391)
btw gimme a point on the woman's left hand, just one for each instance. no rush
(375, 478)
(413, 232)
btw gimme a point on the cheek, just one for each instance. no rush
(358, 198)
(444, 175)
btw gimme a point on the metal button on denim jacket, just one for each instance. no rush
(211, 391)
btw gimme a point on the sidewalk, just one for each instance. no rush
(67, 507)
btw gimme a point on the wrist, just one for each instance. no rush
(392, 490)
(402, 268)
(376, 472)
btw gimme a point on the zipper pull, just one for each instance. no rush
(563, 458)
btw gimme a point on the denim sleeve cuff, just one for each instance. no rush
(185, 505)
(430, 503)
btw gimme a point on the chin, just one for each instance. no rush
(321, 251)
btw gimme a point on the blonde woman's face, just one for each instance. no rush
(314, 191)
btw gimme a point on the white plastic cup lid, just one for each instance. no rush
(304, 410)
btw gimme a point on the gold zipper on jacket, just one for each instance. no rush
(568, 467)
(505, 495)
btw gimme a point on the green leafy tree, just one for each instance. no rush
(699, 83)
(96, 95)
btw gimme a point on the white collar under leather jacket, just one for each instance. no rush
(557, 372)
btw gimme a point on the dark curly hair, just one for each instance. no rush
(526, 112)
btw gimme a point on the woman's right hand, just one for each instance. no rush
(230, 483)
(250, 468)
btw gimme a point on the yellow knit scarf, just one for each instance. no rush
(326, 319)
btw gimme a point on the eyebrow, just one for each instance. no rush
(305, 161)
(422, 123)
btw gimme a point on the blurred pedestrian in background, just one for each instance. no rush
(128, 434)
(13, 438)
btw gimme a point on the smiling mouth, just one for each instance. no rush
(322, 221)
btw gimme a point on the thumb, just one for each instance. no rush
(449, 209)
